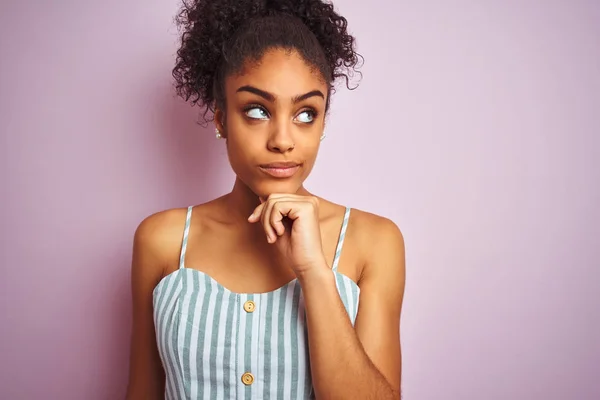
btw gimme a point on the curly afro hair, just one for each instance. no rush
(220, 36)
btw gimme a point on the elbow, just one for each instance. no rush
(396, 393)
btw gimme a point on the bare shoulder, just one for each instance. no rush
(375, 230)
(161, 230)
(381, 242)
(157, 242)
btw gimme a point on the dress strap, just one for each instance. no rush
(186, 231)
(338, 250)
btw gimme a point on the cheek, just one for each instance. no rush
(241, 154)
(309, 161)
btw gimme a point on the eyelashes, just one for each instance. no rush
(307, 115)
(255, 111)
(312, 115)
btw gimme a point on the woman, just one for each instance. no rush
(250, 296)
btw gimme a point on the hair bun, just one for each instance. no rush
(207, 26)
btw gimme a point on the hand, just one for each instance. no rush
(291, 222)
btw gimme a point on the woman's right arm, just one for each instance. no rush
(146, 374)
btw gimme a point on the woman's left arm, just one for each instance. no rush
(363, 362)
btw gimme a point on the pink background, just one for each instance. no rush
(476, 128)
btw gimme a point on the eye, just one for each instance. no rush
(256, 112)
(306, 116)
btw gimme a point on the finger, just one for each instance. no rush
(280, 211)
(273, 220)
(265, 220)
(256, 214)
(313, 200)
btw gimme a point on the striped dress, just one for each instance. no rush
(218, 344)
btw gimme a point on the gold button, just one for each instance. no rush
(247, 379)
(249, 306)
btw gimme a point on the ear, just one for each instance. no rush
(220, 121)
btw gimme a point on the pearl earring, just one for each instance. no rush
(322, 137)
(218, 134)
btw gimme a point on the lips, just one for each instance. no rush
(280, 169)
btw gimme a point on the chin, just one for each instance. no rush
(265, 188)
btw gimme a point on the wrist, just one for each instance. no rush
(316, 276)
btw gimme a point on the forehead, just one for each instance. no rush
(281, 72)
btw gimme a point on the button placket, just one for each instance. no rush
(249, 308)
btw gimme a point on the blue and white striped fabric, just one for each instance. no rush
(217, 344)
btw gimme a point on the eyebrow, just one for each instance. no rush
(271, 97)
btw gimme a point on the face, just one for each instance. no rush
(273, 122)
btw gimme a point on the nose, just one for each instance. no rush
(281, 139)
